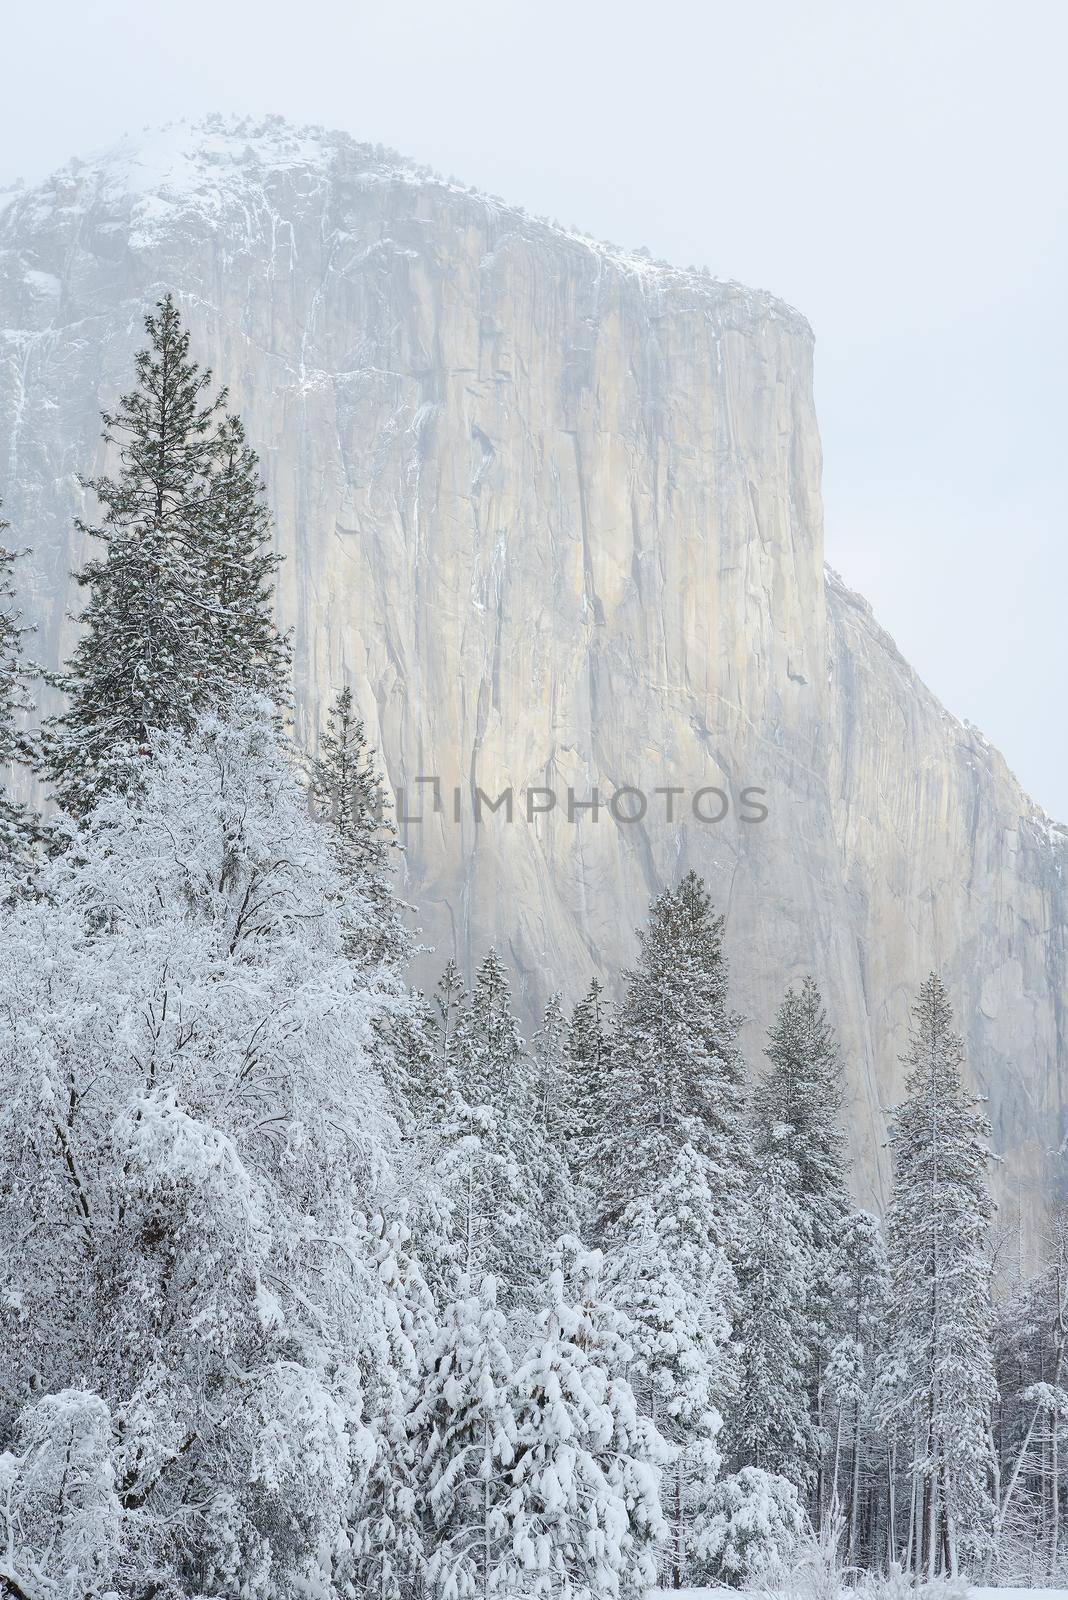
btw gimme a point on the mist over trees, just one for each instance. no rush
(311, 1284)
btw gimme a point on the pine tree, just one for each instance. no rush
(178, 615)
(771, 1426)
(487, 1045)
(755, 1524)
(427, 1069)
(796, 1113)
(481, 1167)
(939, 1346)
(548, 1048)
(800, 1097)
(19, 827)
(432, 1095)
(464, 1431)
(558, 1208)
(1031, 1358)
(585, 1063)
(677, 1076)
(506, 1182)
(583, 1510)
(234, 546)
(434, 1075)
(679, 1294)
(860, 1301)
(383, 1555)
(348, 792)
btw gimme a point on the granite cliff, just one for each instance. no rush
(554, 510)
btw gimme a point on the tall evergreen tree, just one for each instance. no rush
(480, 1168)
(559, 1207)
(506, 1181)
(679, 1294)
(464, 1431)
(585, 1065)
(430, 1087)
(449, 996)
(234, 547)
(425, 1048)
(548, 1047)
(18, 824)
(860, 1301)
(796, 1119)
(771, 1425)
(347, 791)
(940, 1313)
(178, 615)
(677, 1076)
(383, 1555)
(800, 1098)
(584, 1507)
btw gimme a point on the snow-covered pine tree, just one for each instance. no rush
(676, 1075)
(450, 996)
(939, 1343)
(583, 1511)
(19, 827)
(1031, 1363)
(557, 1205)
(547, 1048)
(586, 1058)
(487, 1048)
(425, 1067)
(141, 663)
(190, 1123)
(860, 1299)
(179, 610)
(797, 1109)
(679, 1294)
(347, 790)
(234, 547)
(506, 1183)
(464, 1433)
(445, 1008)
(481, 1167)
(800, 1097)
(770, 1423)
(429, 1066)
(382, 1554)
(755, 1525)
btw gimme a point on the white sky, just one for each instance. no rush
(897, 170)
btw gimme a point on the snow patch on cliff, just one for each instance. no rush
(206, 169)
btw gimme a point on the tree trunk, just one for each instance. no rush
(854, 1497)
(677, 1573)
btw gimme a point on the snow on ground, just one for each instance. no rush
(686, 1594)
(1017, 1594)
(973, 1594)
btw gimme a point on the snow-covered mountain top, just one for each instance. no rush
(180, 159)
(183, 167)
(204, 167)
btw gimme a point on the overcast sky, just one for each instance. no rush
(897, 170)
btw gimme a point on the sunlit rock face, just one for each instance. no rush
(554, 511)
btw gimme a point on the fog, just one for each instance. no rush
(897, 172)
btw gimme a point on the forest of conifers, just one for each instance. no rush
(312, 1284)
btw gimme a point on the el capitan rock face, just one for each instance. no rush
(554, 510)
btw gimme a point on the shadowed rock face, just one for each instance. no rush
(554, 510)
